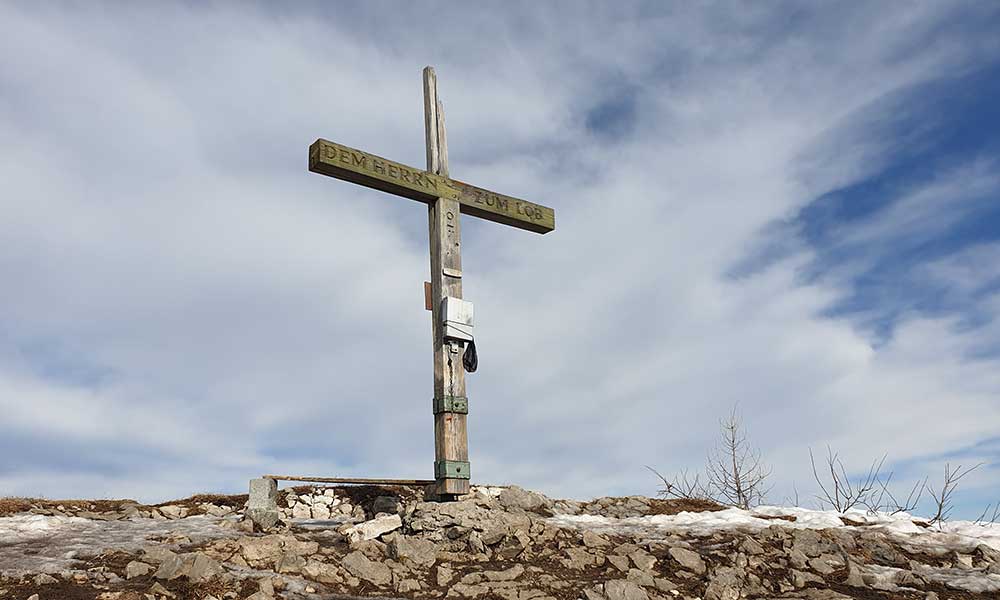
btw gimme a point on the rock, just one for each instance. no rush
(593, 540)
(173, 567)
(620, 562)
(751, 546)
(137, 569)
(301, 511)
(493, 536)
(811, 543)
(801, 579)
(517, 498)
(385, 504)
(258, 551)
(159, 590)
(621, 589)
(33, 597)
(665, 585)
(907, 579)
(412, 551)
(290, 563)
(874, 545)
(476, 544)
(301, 547)
(643, 560)
(640, 578)
(987, 555)
(259, 596)
(594, 593)
(963, 561)
(688, 559)
(511, 548)
(157, 554)
(444, 576)
(44, 579)
(369, 530)
(821, 594)
(406, 586)
(726, 584)
(203, 568)
(321, 572)
(215, 511)
(578, 559)
(320, 511)
(505, 575)
(798, 559)
(821, 566)
(173, 511)
(467, 591)
(854, 577)
(361, 566)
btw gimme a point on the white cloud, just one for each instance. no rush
(235, 314)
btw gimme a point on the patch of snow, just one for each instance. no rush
(961, 536)
(976, 582)
(39, 543)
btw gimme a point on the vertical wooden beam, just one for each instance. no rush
(451, 445)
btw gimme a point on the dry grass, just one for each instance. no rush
(14, 505)
(675, 506)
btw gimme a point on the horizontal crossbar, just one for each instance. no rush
(363, 168)
(355, 480)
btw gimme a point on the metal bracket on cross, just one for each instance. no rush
(451, 469)
(451, 404)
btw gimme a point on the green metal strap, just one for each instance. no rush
(452, 404)
(451, 469)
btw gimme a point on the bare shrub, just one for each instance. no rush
(839, 492)
(943, 496)
(883, 500)
(792, 500)
(989, 518)
(735, 474)
(682, 486)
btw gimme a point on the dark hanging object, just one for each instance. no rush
(470, 360)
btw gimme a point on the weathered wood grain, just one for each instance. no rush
(444, 224)
(373, 171)
(447, 199)
(353, 480)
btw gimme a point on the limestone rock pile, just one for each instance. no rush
(510, 544)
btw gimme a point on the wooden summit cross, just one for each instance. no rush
(446, 198)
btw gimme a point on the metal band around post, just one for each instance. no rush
(452, 404)
(451, 469)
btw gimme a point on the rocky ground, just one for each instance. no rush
(498, 543)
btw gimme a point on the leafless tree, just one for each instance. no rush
(682, 486)
(735, 474)
(884, 500)
(794, 498)
(943, 496)
(988, 518)
(840, 493)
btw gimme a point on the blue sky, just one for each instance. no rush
(791, 209)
